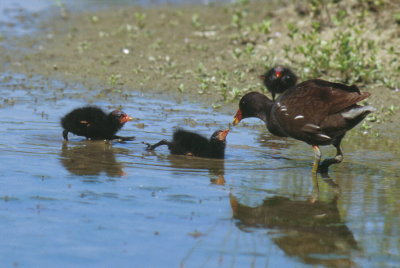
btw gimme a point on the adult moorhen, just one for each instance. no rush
(317, 112)
(279, 79)
(93, 123)
(189, 143)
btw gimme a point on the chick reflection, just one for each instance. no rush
(215, 167)
(91, 158)
(312, 232)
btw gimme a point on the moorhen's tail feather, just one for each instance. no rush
(358, 111)
(342, 101)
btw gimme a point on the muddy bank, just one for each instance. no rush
(215, 53)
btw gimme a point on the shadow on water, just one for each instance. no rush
(92, 158)
(311, 231)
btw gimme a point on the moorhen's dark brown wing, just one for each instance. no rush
(301, 110)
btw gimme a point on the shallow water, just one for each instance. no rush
(103, 204)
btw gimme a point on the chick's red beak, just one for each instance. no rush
(222, 135)
(278, 74)
(238, 117)
(125, 119)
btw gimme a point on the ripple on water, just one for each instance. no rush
(68, 202)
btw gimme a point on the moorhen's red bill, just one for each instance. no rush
(93, 123)
(317, 112)
(189, 143)
(279, 79)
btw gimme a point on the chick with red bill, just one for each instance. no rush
(94, 124)
(278, 80)
(192, 144)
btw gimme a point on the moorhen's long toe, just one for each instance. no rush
(189, 143)
(93, 123)
(278, 80)
(317, 112)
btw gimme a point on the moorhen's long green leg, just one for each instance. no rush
(324, 166)
(317, 159)
(315, 190)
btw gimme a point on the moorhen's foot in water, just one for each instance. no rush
(317, 112)
(189, 143)
(278, 80)
(324, 166)
(93, 123)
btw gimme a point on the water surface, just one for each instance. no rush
(104, 204)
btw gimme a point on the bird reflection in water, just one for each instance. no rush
(91, 158)
(310, 231)
(215, 167)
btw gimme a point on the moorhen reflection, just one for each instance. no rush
(317, 112)
(310, 231)
(91, 158)
(279, 79)
(94, 124)
(192, 144)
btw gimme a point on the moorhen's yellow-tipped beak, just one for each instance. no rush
(278, 74)
(130, 118)
(238, 117)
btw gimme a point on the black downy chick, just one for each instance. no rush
(189, 143)
(93, 123)
(278, 80)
